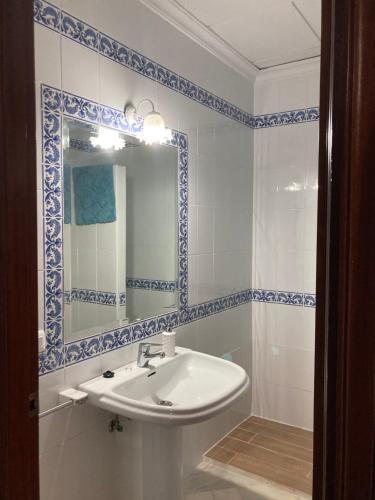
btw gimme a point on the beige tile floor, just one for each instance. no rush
(214, 481)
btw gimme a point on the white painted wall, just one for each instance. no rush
(79, 459)
(284, 235)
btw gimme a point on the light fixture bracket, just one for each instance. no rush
(130, 114)
(153, 129)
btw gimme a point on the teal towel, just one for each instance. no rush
(67, 194)
(94, 194)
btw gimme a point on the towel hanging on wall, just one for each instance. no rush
(94, 194)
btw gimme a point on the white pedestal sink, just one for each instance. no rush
(189, 388)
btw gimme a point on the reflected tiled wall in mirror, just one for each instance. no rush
(120, 231)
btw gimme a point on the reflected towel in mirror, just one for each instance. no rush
(94, 194)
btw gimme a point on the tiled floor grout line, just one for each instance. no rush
(268, 449)
(283, 454)
(276, 439)
(277, 422)
(295, 432)
(271, 451)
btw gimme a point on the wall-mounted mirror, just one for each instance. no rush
(120, 229)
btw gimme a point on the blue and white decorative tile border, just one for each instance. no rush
(80, 145)
(286, 118)
(50, 16)
(286, 298)
(87, 147)
(122, 298)
(94, 297)
(154, 285)
(57, 104)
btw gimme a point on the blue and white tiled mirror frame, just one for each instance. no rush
(57, 104)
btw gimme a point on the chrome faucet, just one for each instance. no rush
(144, 354)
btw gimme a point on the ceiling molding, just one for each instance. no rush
(291, 58)
(184, 21)
(289, 70)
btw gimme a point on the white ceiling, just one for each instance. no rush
(266, 32)
(263, 33)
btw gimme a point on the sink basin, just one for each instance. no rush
(188, 388)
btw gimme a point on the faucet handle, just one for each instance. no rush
(146, 346)
(144, 353)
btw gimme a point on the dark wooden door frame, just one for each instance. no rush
(344, 445)
(18, 254)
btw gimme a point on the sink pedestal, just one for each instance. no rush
(162, 462)
(188, 388)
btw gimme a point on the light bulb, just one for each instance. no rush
(108, 139)
(154, 131)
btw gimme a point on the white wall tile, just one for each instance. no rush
(266, 151)
(47, 68)
(312, 151)
(285, 227)
(107, 270)
(283, 404)
(313, 89)
(264, 268)
(289, 228)
(80, 69)
(311, 191)
(266, 98)
(86, 460)
(82, 372)
(286, 366)
(193, 178)
(193, 230)
(49, 387)
(205, 277)
(87, 10)
(205, 181)
(206, 139)
(119, 357)
(290, 270)
(119, 85)
(310, 271)
(293, 141)
(293, 93)
(287, 326)
(193, 280)
(310, 229)
(206, 224)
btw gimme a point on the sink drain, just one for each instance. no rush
(163, 402)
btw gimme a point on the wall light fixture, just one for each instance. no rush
(153, 130)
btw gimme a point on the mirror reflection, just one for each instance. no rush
(120, 229)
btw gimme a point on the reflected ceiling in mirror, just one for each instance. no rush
(120, 229)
